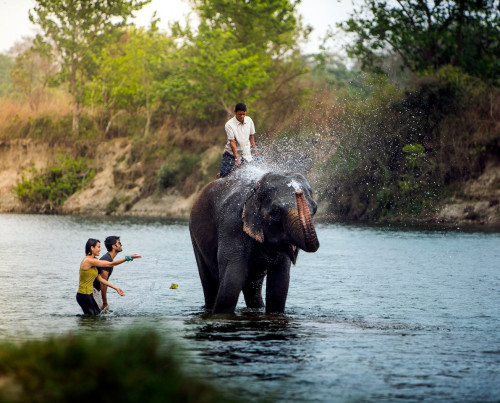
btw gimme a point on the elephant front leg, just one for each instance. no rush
(230, 285)
(278, 280)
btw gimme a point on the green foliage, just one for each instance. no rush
(232, 58)
(428, 35)
(129, 73)
(414, 162)
(50, 128)
(193, 77)
(78, 29)
(166, 177)
(46, 190)
(33, 71)
(328, 69)
(415, 154)
(378, 159)
(136, 366)
(112, 206)
(5, 78)
(268, 26)
(187, 164)
(223, 72)
(397, 152)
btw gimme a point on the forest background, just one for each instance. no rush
(106, 117)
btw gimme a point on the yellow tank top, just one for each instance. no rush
(87, 278)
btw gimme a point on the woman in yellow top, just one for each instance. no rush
(89, 272)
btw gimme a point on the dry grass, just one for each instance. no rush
(16, 113)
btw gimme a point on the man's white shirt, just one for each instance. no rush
(240, 132)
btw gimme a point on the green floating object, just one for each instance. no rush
(174, 286)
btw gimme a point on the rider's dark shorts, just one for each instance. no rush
(228, 162)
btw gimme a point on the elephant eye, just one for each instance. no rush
(275, 211)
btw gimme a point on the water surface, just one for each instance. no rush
(377, 314)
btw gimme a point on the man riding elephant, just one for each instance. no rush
(240, 132)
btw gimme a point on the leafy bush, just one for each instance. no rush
(166, 177)
(112, 206)
(48, 189)
(131, 368)
(188, 163)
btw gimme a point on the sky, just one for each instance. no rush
(320, 14)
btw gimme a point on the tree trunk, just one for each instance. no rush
(76, 104)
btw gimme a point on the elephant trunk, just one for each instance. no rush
(310, 239)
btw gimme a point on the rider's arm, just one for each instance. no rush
(254, 146)
(232, 143)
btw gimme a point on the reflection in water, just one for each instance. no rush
(249, 346)
(240, 327)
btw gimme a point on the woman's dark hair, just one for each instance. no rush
(240, 107)
(91, 242)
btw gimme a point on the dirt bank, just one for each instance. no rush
(116, 188)
(477, 202)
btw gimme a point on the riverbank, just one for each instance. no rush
(117, 188)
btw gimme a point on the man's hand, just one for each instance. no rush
(237, 162)
(105, 308)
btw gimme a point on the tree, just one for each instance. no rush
(428, 34)
(32, 70)
(221, 71)
(128, 73)
(240, 51)
(262, 26)
(78, 29)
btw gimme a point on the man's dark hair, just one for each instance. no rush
(240, 107)
(110, 241)
(90, 242)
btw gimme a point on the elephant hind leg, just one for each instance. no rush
(209, 283)
(210, 287)
(252, 291)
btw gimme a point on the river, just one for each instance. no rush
(377, 314)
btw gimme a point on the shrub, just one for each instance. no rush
(112, 206)
(166, 177)
(131, 368)
(48, 189)
(188, 163)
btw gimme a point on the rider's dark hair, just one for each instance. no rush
(240, 107)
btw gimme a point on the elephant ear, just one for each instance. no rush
(252, 222)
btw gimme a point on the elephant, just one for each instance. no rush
(244, 227)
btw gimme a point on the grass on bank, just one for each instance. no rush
(17, 115)
(132, 367)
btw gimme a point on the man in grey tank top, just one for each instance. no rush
(113, 246)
